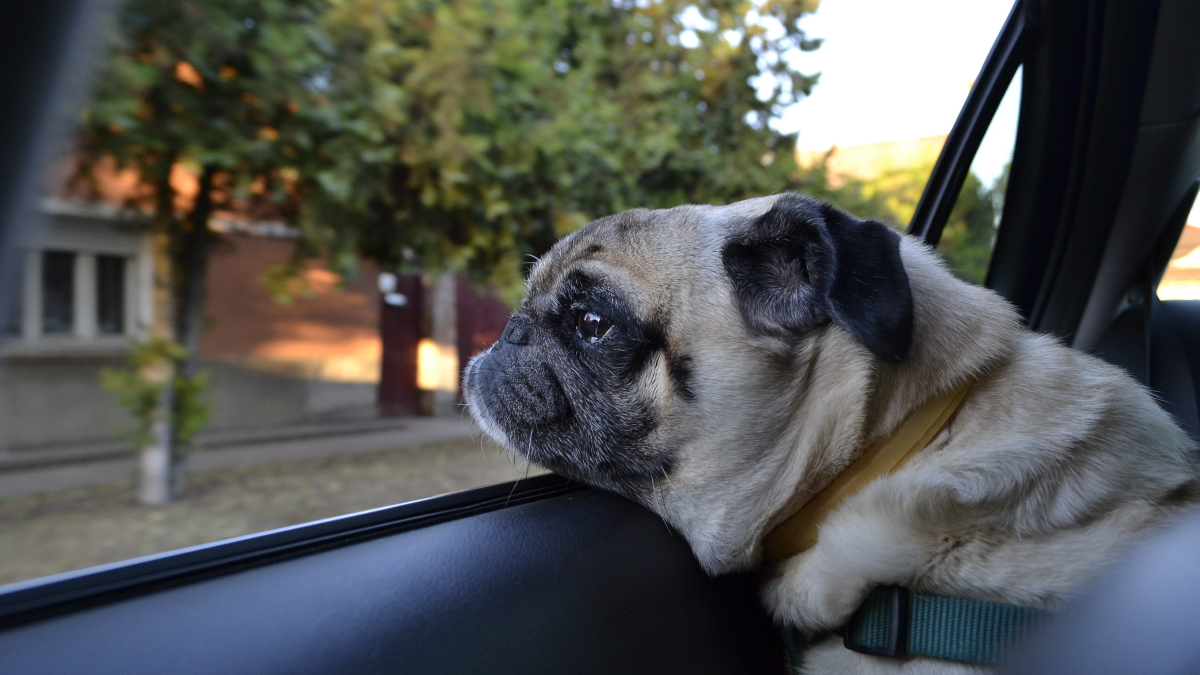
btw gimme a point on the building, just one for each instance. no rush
(871, 160)
(1182, 278)
(86, 293)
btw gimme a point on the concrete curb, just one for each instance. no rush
(31, 458)
(122, 470)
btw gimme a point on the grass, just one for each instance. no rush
(62, 531)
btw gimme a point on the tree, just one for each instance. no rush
(474, 134)
(970, 232)
(204, 85)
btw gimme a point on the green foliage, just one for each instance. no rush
(970, 232)
(191, 412)
(890, 197)
(206, 83)
(461, 133)
(284, 282)
(474, 134)
(139, 386)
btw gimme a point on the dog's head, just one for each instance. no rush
(660, 353)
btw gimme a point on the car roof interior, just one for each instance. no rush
(547, 576)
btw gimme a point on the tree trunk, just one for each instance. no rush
(156, 454)
(445, 334)
(156, 457)
(190, 272)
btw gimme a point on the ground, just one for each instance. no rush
(61, 531)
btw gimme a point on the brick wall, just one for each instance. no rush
(324, 333)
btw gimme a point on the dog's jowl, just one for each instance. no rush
(802, 391)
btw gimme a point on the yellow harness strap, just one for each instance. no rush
(799, 532)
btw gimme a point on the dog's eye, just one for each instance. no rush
(592, 326)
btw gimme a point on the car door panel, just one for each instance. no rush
(582, 582)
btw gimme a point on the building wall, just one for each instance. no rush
(324, 332)
(57, 400)
(315, 357)
(251, 398)
(270, 364)
(50, 389)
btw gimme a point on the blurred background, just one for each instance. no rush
(279, 229)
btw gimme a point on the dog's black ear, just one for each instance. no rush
(805, 262)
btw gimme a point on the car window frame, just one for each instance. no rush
(962, 143)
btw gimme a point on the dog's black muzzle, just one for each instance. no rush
(513, 378)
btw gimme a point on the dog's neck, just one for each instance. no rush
(798, 532)
(961, 336)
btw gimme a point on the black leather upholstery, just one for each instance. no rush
(1175, 360)
(1165, 357)
(581, 583)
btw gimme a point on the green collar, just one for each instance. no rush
(894, 623)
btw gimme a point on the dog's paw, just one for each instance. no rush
(870, 541)
(808, 594)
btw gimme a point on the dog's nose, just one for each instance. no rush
(517, 330)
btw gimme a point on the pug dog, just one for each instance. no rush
(722, 365)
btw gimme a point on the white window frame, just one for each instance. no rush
(87, 231)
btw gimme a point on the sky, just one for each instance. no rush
(896, 69)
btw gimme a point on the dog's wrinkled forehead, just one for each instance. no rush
(621, 244)
(601, 241)
(600, 251)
